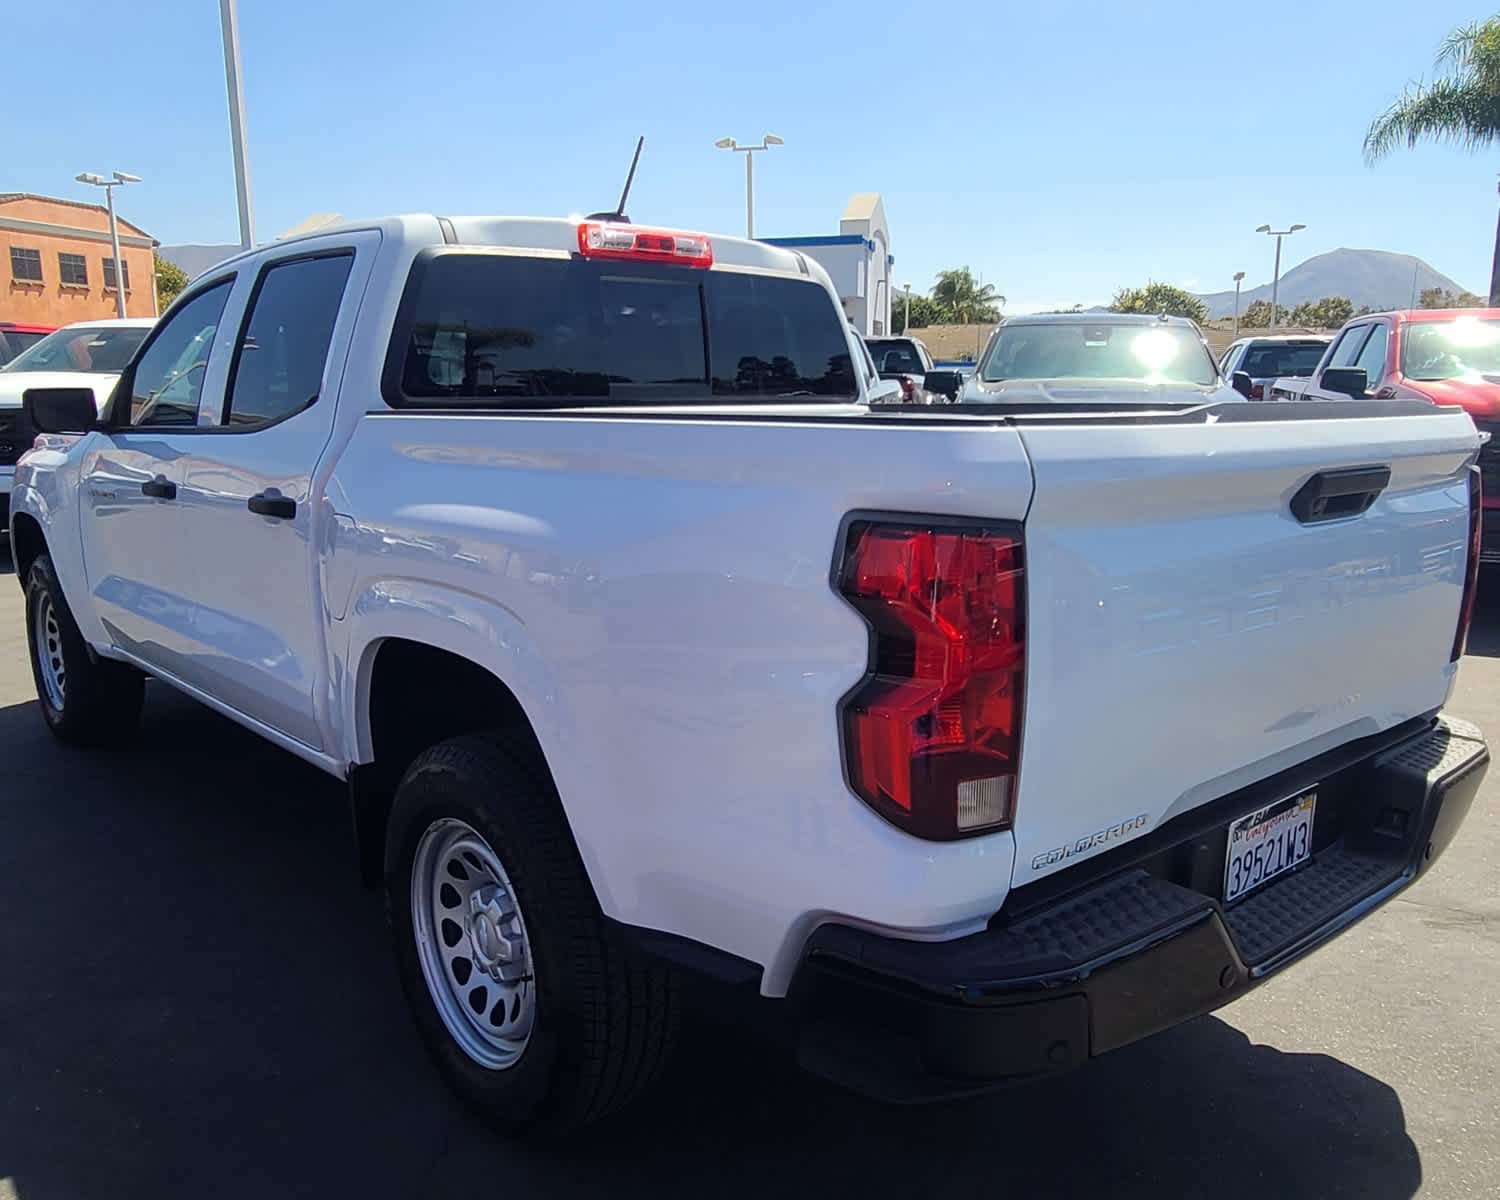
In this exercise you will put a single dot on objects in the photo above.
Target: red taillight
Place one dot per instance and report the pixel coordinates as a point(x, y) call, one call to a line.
point(1257, 391)
point(932, 736)
point(1471, 566)
point(600, 239)
point(908, 386)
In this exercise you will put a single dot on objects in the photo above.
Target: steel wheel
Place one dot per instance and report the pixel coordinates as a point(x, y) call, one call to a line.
point(49, 652)
point(472, 944)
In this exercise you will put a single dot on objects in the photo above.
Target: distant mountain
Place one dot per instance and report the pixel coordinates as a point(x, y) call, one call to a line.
point(194, 260)
point(1374, 277)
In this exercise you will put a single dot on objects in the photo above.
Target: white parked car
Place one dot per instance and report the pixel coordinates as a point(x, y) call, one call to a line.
point(88, 354)
point(984, 739)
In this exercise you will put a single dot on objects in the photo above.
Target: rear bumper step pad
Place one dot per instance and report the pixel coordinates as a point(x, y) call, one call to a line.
point(1124, 958)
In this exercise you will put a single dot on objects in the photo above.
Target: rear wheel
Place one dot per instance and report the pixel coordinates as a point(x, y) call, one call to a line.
point(85, 700)
point(531, 1012)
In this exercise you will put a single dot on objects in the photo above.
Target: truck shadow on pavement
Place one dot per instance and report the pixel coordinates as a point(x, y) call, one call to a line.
point(196, 999)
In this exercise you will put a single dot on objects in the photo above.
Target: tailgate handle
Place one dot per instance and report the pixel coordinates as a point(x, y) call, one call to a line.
point(1333, 495)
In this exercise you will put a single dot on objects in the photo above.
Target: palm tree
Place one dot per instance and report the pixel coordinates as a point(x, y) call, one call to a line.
point(964, 298)
point(1462, 105)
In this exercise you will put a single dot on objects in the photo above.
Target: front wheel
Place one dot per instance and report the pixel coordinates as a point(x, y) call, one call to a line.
point(531, 1012)
point(85, 700)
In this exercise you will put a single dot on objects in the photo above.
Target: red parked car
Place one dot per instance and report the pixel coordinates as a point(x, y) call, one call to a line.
point(15, 337)
point(1446, 355)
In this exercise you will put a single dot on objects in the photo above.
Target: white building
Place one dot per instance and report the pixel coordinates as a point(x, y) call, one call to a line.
point(858, 258)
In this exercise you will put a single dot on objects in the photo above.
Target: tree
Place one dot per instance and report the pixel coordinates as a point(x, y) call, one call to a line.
point(1157, 298)
point(964, 300)
point(1436, 297)
point(1328, 313)
point(170, 279)
point(924, 311)
point(1257, 315)
point(1462, 105)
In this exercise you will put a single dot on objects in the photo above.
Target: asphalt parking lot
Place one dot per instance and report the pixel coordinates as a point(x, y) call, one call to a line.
point(196, 1000)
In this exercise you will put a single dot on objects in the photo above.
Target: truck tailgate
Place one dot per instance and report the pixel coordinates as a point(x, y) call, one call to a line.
point(1188, 635)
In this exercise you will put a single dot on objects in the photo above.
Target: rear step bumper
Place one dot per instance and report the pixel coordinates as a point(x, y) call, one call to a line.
point(1123, 958)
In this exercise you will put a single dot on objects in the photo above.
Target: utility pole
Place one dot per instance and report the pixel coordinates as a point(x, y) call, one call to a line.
point(906, 324)
point(229, 19)
point(1238, 278)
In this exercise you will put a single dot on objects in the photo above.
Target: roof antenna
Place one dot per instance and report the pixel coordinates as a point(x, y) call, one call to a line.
point(619, 213)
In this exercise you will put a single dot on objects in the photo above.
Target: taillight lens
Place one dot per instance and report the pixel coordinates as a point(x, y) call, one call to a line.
point(932, 735)
point(603, 239)
point(908, 386)
point(1471, 567)
point(1257, 391)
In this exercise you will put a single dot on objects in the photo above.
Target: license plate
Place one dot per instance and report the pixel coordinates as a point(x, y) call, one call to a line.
point(1268, 842)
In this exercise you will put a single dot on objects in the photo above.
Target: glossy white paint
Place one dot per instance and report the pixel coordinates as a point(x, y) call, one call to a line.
point(654, 589)
point(1188, 636)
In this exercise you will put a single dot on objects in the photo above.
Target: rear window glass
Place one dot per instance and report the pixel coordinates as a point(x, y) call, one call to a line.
point(492, 330)
point(894, 355)
point(1262, 362)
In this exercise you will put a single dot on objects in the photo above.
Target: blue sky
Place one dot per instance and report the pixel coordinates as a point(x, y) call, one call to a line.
point(1060, 150)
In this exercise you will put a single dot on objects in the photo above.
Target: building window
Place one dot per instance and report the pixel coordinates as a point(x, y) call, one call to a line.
point(26, 264)
point(109, 273)
point(74, 269)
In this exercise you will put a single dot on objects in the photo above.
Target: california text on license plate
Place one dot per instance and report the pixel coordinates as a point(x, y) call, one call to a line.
point(1267, 842)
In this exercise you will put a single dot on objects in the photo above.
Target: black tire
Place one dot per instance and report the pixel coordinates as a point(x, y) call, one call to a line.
point(605, 1020)
point(102, 700)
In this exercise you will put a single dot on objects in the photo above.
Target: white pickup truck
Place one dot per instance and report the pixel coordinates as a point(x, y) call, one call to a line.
point(984, 739)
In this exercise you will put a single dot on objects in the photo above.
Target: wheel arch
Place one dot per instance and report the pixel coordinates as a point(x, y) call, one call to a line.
point(28, 543)
point(424, 667)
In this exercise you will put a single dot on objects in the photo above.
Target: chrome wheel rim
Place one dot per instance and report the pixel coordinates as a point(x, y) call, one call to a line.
point(472, 944)
point(49, 652)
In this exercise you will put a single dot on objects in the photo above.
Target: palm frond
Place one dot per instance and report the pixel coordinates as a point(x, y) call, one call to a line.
point(1471, 54)
point(1456, 49)
point(1464, 113)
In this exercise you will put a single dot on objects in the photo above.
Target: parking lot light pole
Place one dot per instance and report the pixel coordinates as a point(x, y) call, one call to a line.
point(109, 185)
point(230, 24)
point(1238, 278)
point(1278, 234)
point(728, 143)
point(906, 323)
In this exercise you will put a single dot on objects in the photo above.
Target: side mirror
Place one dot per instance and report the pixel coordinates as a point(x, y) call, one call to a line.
point(884, 391)
point(60, 410)
point(1348, 381)
point(943, 383)
point(1241, 382)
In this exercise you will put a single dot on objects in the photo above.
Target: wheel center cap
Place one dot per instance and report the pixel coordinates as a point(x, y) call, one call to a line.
point(490, 930)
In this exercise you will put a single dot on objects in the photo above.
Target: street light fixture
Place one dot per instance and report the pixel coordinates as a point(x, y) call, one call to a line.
point(728, 143)
point(1238, 279)
point(1278, 234)
point(117, 179)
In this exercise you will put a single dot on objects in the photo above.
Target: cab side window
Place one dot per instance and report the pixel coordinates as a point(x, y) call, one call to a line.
point(1372, 357)
point(283, 347)
point(167, 382)
point(1349, 344)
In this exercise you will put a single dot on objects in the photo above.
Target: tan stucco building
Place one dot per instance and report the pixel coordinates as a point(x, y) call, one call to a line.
point(56, 265)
